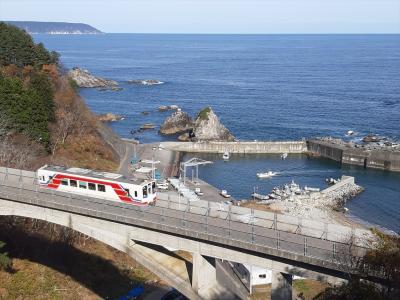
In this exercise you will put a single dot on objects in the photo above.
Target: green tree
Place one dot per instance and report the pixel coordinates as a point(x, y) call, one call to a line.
point(26, 108)
point(17, 47)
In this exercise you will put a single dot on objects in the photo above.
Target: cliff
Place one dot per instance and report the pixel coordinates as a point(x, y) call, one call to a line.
point(54, 27)
point(178, 122)
point(83, 78)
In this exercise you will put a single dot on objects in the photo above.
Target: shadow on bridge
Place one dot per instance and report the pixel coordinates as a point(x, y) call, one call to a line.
point(98, 274)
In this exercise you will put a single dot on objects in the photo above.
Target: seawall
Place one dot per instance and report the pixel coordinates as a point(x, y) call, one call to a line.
point(384, 159)
point(239, 147)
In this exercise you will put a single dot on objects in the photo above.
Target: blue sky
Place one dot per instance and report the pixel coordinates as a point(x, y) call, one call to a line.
point(214, 16)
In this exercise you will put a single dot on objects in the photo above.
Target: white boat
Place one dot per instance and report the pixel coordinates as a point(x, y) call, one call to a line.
point(350, 133)
point(225, 194)
point(266, 174)
point(284, 155)
point(226, 155)
point(260, 196)
point(311, 189)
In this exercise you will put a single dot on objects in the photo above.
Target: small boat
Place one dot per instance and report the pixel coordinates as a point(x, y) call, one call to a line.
point(259, 196)
point(225, 194)
point(266, 174)
point(198, 192)
point(311, 189)
point(226, 155)
point(350, 133)
point(284, 155)
point(331, 181)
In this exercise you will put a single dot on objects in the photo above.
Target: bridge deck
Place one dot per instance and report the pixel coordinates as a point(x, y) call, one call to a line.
point(257, 232)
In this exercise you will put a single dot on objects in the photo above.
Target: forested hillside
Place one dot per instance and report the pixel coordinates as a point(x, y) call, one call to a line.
point(42, 118)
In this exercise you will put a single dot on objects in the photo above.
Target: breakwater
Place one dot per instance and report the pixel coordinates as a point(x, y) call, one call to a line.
point(239, 147)
point(345, 153)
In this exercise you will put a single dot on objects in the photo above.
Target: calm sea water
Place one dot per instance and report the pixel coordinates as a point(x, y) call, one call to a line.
point(262, 87)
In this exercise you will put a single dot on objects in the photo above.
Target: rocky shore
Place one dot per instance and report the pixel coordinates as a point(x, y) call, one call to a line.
point(323, 205)
point(109, 117)
point(84, 79)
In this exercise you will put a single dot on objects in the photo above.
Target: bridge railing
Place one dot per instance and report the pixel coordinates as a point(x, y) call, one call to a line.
point(21, 186)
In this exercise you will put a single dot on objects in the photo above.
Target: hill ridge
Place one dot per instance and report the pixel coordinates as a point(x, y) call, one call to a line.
point(35, 27)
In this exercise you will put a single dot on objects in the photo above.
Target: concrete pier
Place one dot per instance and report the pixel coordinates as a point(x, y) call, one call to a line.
point(281, 288)
point(384, 159)
point(239, 147)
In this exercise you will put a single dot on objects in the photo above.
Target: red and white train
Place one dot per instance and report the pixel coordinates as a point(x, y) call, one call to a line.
point(110, 186)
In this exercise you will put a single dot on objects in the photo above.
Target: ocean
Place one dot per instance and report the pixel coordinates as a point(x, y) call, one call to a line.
point(264, 87)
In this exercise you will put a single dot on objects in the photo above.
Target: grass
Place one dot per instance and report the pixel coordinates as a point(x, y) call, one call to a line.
point(44, 269)
point(309, 288)
point(203, 114)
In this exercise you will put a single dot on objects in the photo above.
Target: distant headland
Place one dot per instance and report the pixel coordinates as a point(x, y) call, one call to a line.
point(55, 27)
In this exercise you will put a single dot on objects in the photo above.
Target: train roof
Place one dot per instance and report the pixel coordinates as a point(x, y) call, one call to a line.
point(94, 174)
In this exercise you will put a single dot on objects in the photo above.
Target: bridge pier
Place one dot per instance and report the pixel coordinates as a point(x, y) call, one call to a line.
point(204, 274)
point(281, 288)
point(204, 278)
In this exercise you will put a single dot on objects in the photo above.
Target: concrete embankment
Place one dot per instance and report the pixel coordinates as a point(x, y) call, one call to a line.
point(384, 159)
point(239, 147)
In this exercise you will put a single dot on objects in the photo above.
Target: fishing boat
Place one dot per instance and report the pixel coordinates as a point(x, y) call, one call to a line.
point(284, 155)
point(259, 196)
point(311, 189)
point(225, 194)
point(266, 174)
point(226, 155)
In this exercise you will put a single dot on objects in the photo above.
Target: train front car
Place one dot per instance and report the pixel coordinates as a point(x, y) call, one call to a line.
point(104, 185)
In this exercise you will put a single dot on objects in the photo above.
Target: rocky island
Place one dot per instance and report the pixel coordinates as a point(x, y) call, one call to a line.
point(84, 79)
point(206, 127)
point(178, 122)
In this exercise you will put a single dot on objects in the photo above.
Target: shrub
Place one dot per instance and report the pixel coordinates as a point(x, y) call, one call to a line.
point(5, 261)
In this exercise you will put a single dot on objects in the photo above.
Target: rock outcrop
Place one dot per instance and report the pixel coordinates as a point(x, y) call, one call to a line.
point(109, 117)
point(208, 127)
point(178, 122)
point(146, 81)
point(163, 108)
point(83, 78)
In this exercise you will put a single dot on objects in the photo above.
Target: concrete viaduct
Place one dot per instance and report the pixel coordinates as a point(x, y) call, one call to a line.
point(145, 233)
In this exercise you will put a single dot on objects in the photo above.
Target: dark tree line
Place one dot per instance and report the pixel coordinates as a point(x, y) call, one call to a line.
point(18, 48)
point(26, 88)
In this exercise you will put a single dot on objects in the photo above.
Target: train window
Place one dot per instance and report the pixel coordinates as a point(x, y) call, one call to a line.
point(82, 185)
point(92, 186)
point(64, 181)
point(145, 192)
point(73, 183)
point(135, 193)
point(153, 185)
point(101, 188)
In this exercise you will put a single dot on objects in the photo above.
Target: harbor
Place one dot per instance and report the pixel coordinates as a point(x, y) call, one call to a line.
point(315, 202)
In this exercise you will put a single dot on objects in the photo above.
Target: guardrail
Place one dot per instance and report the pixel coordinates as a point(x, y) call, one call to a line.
point(222, 227)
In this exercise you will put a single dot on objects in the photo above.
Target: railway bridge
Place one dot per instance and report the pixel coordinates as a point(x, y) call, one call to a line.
point(211, 232)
